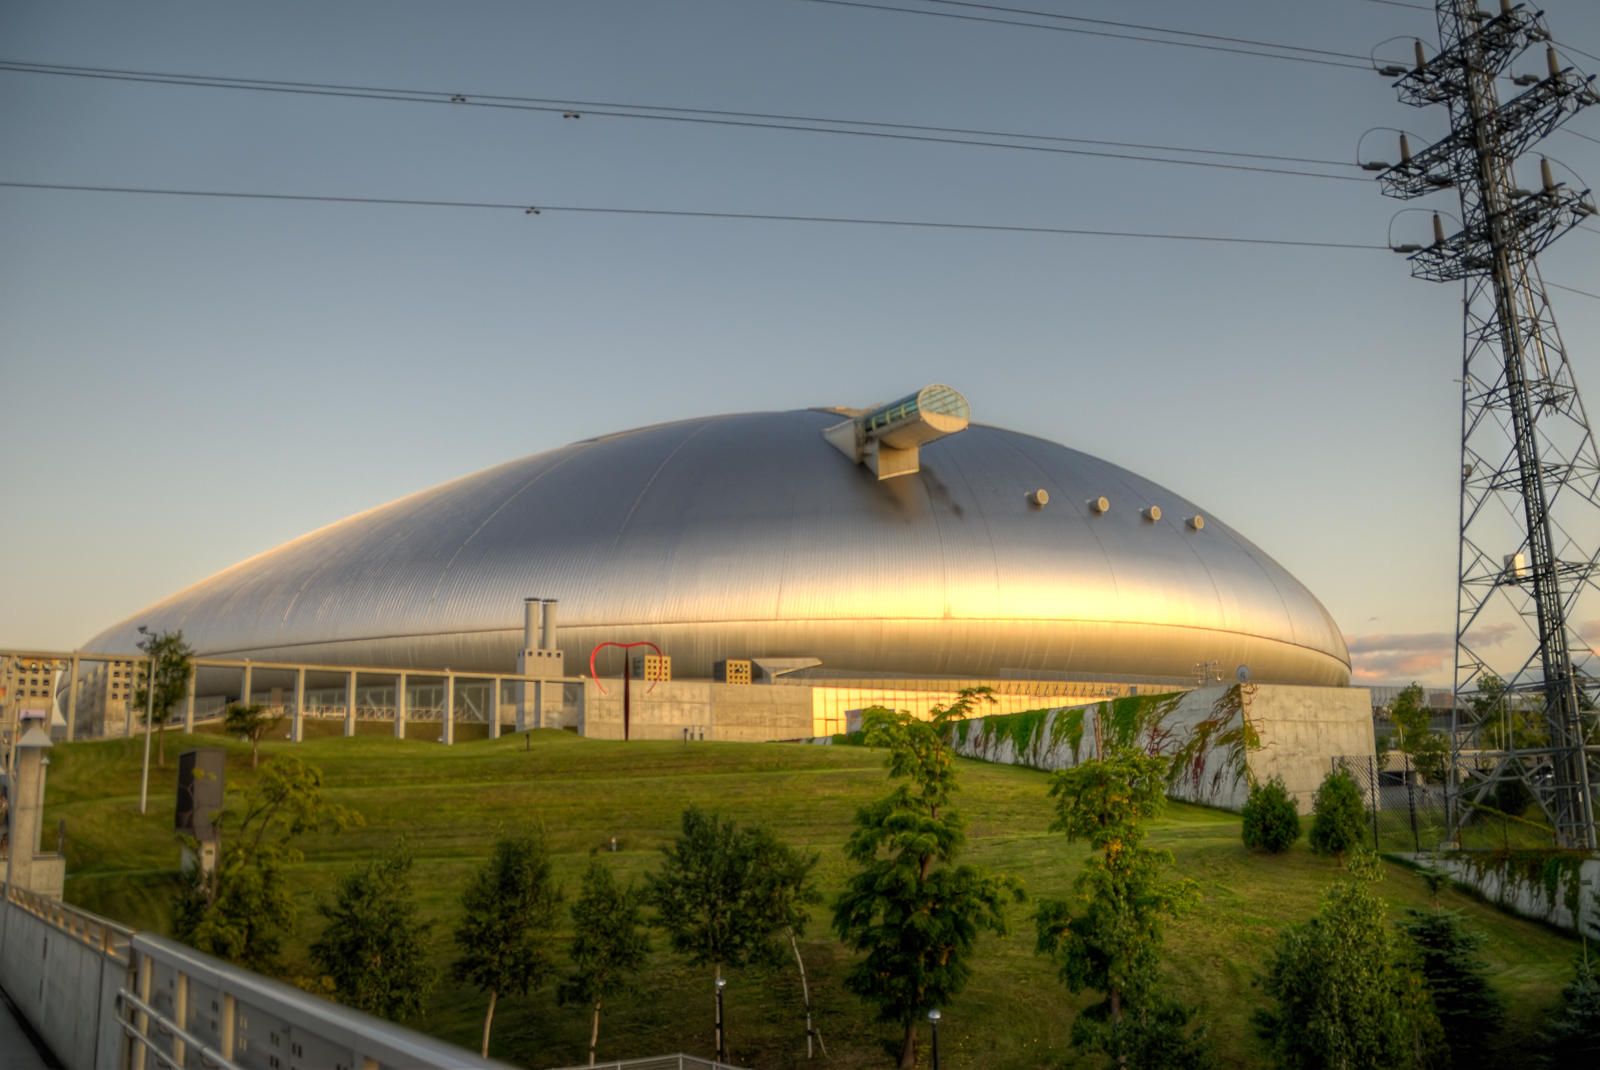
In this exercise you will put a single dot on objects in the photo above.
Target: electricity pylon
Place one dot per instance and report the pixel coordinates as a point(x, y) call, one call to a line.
point(1530, 473)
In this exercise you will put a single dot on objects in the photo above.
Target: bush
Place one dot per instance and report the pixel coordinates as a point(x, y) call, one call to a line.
point(1511, 796)
point(1342, 993)
point(1271, 818)
point(1469, 1010)
point(1339, 817)
point(1572, 1035)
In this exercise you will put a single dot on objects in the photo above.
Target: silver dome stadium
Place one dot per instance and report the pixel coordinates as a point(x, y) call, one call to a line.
point(754, 535)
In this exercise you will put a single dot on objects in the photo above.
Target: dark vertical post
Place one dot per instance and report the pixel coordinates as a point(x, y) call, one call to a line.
point(1372, 791)
point(1411, 804)
point(933, 1021)
point(627, 677)
point(722, 1046)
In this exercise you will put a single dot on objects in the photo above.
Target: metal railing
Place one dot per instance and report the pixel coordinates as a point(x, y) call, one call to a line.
point(660, 1062)
point(107, 937)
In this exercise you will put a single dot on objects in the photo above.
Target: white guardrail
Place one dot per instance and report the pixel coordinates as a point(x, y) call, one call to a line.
point(105, 998)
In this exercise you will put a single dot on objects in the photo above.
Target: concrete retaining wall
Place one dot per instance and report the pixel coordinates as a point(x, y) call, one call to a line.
point(1553, 887)
point(1222, 738)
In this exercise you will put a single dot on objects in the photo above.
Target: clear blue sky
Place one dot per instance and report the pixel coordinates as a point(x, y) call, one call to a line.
point(188, 382)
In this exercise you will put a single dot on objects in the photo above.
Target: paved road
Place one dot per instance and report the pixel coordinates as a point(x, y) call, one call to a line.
point(16, 1050)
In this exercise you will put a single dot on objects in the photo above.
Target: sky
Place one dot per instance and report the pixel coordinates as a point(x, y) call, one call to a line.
point(189, 381)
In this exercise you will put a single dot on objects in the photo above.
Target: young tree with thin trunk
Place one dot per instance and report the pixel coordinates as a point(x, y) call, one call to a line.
point(1107, 937)
point(706, 895)
point(911, 909)
point(608, 945)
point(242, 910)
point(165, 682)
point(505, 936)
point(787, 887)
point(252, 722)
point(373, 947)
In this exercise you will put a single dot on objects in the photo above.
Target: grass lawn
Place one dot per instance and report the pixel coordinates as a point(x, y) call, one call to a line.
point(450, 803)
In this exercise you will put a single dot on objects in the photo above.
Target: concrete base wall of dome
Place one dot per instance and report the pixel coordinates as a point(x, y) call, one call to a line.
point(947, 647)
point(1221, 739)
point(697, 710)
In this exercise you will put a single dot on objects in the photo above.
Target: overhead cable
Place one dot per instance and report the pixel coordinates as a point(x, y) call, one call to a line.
point(705, 116)
point(1572, 290)
point(1289, 52)
point(774, 217)
point(1034, 13)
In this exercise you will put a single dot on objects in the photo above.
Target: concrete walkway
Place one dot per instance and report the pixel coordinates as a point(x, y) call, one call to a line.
point(16, 1048)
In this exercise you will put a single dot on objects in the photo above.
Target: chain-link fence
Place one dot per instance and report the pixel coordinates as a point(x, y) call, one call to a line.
point(1405, 812)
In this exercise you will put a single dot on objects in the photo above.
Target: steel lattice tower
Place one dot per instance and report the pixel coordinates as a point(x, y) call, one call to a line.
point(1530, 472)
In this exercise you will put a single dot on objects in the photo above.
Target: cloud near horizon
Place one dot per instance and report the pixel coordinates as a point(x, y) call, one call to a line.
point(1401, 658)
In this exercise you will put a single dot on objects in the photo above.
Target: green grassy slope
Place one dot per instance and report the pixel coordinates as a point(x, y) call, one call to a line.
point(451, 802)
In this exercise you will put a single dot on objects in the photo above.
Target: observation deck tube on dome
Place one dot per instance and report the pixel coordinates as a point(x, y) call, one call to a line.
point(887, 438)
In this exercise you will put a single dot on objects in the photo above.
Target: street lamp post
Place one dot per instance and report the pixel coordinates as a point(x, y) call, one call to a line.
point(722, 1045)
point(933, 1021)
point(149, 716)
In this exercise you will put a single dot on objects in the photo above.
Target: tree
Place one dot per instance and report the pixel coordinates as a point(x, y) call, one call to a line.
point(707, 895)
point(913, 911)
point(252, 722)
point(608, 945)
point(1271, 818)
point(1572, 1036)
point(241, 909)
point(1107, 936)
point(1428, 750)
point(786, 887)
point(373, 947)
point(165, 682)
point(1469, 1010)
point(1338, 821)
point(505, 933)
point(1343, 996)
point(1509, 724)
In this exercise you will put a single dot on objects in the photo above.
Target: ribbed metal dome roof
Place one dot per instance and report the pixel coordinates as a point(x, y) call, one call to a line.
point(749, 535)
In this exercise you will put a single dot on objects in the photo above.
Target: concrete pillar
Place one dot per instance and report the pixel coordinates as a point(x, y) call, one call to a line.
point(136, 670)
point(449, 716)
point(531, 612)
point(297, 728)
point(244, 688)
point(538, 704)
point(72, 700)
point(400, 707)
point(350, 704)
point(547, 626)
point(494, 707)
point(180, 1017)
point(26, 810)
point(146, 977)
point(188, 701)
point(227, 1026)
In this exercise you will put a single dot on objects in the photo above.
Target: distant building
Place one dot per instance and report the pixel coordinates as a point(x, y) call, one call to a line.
point(105, 690)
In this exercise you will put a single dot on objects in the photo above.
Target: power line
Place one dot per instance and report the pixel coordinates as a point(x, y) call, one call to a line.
point(1572, 290)
point(1364, 65)
point(1030, 13)
point(707, 116)
point(1585, 137)
point(774, 217)
point(1402, 3)
point(1579, 51)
